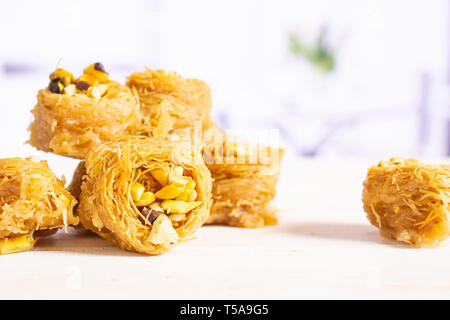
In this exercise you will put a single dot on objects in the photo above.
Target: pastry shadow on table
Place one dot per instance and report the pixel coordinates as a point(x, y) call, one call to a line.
point(342, 231)
point(80, 241)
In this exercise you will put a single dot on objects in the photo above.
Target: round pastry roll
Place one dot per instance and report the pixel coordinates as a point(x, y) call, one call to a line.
point(409, 201)
point(32, 200)
point(144, 194)
point(169, 101)
point(245, 177)
point(72, 115)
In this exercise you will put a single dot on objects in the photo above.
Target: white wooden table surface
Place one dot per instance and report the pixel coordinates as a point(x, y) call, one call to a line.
point(323, 247)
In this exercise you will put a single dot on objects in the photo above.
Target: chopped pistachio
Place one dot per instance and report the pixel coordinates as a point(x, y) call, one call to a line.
point(179, 181)
point(70, 90)
point(99, 75)
point(160, 175)
point(146, 199)
point(102, 89)
point(17, 243)
point(177, 217)
point(178, 171)
point(162, 232)
point(137, 190)
point(64, 76)
point(192, 196)
point(176, 206)
point(95, 92)
point(188, 191)
point(156, 207)
point(171, 191)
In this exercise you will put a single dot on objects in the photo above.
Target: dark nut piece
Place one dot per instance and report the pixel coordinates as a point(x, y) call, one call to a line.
point(99, 67)
point(83, 85)
point(64, 76)
point(56, 86)
point(151, 217)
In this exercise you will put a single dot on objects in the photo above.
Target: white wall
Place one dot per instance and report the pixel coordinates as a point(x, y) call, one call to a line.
point(366, 106)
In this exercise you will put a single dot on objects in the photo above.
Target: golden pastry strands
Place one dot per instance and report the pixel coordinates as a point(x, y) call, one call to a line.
point(155, 90)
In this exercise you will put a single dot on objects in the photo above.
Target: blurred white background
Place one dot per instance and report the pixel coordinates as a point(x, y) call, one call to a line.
point(336, 78)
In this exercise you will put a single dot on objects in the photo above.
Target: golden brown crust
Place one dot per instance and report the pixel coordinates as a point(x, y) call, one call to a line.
point(72, 124)
point(75, 185)
point(105, 204)
point(168, 98)
point(32, 198)
point(409, 201)
point(244, 201)
point(245, 178)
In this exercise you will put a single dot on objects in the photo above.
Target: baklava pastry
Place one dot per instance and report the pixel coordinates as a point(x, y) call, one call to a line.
point(77, 179)
point(245, 177)
point(170, 101)
point(144, 194)
point(72, 115)
point(32, 201)
point(409, 201)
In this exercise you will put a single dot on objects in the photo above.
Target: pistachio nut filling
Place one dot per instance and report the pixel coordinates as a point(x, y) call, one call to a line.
point(164, 197)
point(14, 244)
point(94, 82)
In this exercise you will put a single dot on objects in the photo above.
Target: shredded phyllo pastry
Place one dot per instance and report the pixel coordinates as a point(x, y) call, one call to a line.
point(32, 199)
point(169, 101)
point(409, 201)
point(77, 178)
point(245, 177)
point(144, 194)
point(74, 114)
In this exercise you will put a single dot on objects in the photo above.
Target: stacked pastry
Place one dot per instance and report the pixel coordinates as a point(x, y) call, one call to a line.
point(74, 114)
point(242, 188)
point(170, 102)
point(144, 184)
point(245, 177)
